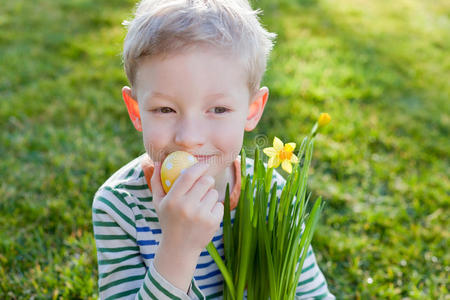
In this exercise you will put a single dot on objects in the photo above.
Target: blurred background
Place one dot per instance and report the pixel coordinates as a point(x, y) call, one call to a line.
point(381, 69)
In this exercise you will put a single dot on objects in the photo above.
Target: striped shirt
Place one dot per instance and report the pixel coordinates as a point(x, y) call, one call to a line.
point(127, 234)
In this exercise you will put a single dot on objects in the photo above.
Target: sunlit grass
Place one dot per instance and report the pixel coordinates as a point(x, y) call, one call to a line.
point(379, 68)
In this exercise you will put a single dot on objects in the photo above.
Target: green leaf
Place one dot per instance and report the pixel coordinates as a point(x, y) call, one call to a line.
point(227, 233)
point(223, 269)
point(268, 180)
point(243, 168)
point(273, 206)
point(244, 238)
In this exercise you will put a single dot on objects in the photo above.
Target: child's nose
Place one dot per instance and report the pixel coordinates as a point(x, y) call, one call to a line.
point(190, 134)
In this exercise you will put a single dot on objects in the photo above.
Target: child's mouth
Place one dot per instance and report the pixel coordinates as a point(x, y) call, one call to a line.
point(203, 157)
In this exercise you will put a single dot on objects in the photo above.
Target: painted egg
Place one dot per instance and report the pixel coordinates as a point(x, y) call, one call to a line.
point(173, 166)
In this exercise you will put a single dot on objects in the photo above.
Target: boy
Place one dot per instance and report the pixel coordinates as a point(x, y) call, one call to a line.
point(194, 69)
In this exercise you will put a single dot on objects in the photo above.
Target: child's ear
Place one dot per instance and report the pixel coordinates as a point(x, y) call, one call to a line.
point(132, 107)
point(256, 108)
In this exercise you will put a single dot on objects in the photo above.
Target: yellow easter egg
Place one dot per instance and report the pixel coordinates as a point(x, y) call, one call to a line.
point(172, 167)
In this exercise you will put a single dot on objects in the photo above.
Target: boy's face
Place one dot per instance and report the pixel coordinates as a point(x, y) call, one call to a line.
point(197, 101)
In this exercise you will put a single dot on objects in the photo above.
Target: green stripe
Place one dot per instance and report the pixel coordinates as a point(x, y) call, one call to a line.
point(212, 296)
point(308, 280)
point(99, 211)
point(140, 206)
point(130, 248)
point(140, 297)
point(148, 219)
point(132, 187)
point(308, 268)
point(149, 292)
point(145, 199)
point(117, 260)
point(106, 224)
point(122, 294)
point(128, 267)
point(141, 174)
point(197, 291)
point(319, 297)
point(120, 281)
point(109, 237)
point(163, 290)
point(117, 211)
point(129, 173)
point(311, 291)
point(120, 196)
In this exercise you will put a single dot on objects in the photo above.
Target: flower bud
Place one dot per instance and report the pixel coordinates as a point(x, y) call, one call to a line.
point(324, 119)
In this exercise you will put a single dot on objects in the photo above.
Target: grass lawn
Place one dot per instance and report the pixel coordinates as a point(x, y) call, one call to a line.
point(380, 68)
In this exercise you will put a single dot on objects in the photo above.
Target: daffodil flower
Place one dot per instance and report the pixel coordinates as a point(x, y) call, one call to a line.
point(281, 153)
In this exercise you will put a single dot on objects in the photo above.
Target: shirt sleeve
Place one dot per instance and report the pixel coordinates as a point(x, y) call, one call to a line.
point(312, 284)
point(122, 271)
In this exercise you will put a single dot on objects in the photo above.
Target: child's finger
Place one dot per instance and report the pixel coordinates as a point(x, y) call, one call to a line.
point(209, 200)
point(217, 211)
point(187, 179)
point(200, 188)
point(157, 189)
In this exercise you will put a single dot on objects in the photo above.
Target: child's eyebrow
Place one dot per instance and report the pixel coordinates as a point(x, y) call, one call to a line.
point(160, 95)
point(217, 96)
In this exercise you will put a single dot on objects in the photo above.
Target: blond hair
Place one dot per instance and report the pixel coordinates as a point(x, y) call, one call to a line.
point(165, 27)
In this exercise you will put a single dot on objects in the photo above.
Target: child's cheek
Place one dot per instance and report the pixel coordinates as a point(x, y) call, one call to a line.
point(156, 144)
point(231, 137)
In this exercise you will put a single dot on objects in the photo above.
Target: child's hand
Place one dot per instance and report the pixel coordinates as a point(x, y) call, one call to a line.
point(190, 213)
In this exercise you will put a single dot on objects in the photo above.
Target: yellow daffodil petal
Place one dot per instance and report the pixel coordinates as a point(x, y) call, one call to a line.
point(271, 161)
point(289, 147)
point(270, 151)
point(294, 159)
point(277, 144)
point(274, 162)
point(286, 165)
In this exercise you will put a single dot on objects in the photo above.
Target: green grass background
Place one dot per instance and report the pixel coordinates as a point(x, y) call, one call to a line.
point(380, 68)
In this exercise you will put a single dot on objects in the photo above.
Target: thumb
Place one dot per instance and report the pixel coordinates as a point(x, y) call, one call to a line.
point(157, 189)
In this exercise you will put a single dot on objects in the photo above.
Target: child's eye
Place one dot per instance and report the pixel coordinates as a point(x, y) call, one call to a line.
point(164, 110)
point(220, 110)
